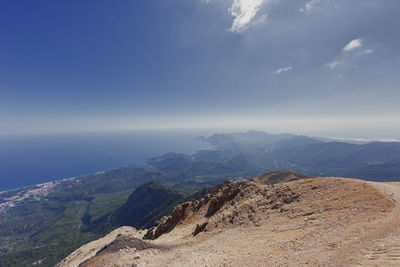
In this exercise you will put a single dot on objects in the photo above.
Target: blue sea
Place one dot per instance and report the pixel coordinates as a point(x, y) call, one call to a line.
point(32, 159)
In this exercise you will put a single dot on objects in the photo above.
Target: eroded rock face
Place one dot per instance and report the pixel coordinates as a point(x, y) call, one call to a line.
point(226, 194)
point(167, 223)
point(228, 204)
point(122, 242)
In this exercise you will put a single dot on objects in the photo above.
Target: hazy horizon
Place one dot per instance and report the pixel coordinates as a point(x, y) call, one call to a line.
point(198, 132)
point(48, 157)
point(315, 67)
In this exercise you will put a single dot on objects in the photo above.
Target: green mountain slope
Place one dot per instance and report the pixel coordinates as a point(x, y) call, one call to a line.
point(47, 226)
point(147, 204)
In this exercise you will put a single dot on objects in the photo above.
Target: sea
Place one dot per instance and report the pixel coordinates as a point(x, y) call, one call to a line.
point(32, 159)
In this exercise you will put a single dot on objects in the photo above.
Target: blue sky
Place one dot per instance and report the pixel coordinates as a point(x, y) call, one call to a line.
point(329, 67)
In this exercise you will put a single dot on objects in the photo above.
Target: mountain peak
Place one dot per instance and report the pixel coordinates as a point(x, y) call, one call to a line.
point(259, 224)
point(279, 177)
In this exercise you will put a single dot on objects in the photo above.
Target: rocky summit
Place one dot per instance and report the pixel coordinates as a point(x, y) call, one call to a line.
point(310, 221)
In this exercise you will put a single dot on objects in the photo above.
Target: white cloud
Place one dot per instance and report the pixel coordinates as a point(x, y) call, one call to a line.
point(284, 69)
point(357, 43)
point(244, 12)
point(309, 5)
point(368, 51)
point(333, 65)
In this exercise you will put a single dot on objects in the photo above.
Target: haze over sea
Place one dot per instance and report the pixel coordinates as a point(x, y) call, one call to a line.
point(32, 159)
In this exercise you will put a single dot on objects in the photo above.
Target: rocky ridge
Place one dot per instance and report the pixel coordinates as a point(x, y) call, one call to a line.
point(304, 222)
point(238, 210)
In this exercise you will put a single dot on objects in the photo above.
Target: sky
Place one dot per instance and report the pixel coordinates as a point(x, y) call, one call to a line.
point(328, 67)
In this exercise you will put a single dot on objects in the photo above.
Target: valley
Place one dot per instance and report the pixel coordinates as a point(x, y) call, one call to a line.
point(34, 220)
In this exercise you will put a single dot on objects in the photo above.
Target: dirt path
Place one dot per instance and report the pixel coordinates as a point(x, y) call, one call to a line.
point(386, 250)
point(379, 244)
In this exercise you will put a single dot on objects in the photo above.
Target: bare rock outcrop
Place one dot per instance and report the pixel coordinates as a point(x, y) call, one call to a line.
point(244, 202)
point(167, 223)
point(307, 222)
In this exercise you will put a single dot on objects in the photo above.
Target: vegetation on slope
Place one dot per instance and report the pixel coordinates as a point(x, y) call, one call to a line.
point(50, 227)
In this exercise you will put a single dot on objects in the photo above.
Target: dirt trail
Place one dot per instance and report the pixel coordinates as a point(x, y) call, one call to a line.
point(382, 245)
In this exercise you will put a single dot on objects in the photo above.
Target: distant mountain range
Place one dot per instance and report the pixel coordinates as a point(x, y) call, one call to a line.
point(34, 220)
point(314, 156)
